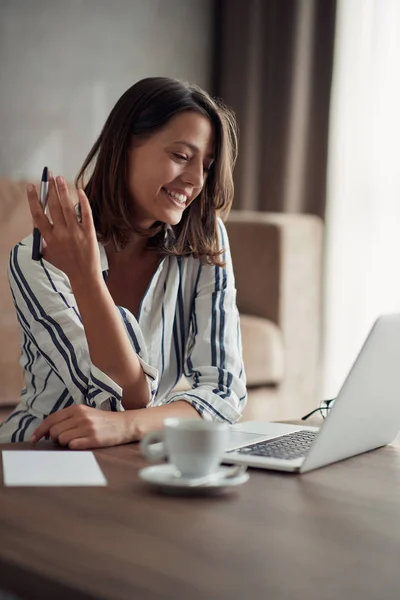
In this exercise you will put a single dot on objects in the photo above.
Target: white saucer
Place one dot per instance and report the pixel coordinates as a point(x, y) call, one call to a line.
point(164, 478)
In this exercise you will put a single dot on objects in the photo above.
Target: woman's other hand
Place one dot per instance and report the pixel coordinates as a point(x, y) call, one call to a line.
point(81, 427)
point(69, 245)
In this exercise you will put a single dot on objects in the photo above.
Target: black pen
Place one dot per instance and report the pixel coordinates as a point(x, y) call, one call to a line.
point(37, 244)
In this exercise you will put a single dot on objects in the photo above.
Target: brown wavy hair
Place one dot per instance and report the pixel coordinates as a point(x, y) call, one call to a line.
point(141, 111)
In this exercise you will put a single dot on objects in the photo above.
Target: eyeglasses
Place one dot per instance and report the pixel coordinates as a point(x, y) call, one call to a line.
point(323, 410)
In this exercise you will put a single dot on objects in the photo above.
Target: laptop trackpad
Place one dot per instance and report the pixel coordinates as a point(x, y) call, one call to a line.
point(241, 438)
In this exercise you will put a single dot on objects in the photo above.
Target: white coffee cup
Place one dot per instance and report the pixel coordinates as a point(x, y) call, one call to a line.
point(195, 447)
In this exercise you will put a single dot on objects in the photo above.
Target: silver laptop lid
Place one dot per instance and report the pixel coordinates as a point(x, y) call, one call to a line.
point(366, 413)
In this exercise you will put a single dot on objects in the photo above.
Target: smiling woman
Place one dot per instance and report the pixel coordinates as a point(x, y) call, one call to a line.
point(141, 289)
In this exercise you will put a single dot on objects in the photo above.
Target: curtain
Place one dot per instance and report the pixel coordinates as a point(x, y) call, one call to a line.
point(363, 204)
point(273, 66)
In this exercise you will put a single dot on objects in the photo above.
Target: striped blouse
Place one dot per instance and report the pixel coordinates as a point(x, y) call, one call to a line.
point(188, 324)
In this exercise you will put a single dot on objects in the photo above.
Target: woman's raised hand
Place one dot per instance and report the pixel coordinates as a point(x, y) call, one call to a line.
point(69, 245)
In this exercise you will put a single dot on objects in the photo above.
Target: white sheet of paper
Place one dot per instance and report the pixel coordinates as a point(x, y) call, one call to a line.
point(51, 468)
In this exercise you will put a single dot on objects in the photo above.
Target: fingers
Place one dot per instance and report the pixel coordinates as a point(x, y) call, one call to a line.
point(82, 443)
point(62, 431)
point(86, 211)
point(66, 203)
point(52, 421)
point(80, 437)
point(67, 424)
point(66, 438)
point(39, 218)
point(54, 204)
point(72, 431)
point(61, 207)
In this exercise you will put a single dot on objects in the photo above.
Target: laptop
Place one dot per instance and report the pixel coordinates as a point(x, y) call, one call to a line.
point(364, 416)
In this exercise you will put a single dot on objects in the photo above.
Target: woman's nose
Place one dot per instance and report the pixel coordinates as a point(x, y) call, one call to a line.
point(194, 174)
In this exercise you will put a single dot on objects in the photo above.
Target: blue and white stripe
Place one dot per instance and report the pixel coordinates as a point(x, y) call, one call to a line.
point(188, 324)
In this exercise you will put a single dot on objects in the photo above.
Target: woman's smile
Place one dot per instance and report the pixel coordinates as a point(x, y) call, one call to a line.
point(179, 200)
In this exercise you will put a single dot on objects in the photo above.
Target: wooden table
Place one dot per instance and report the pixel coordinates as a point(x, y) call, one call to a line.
point(327, 535)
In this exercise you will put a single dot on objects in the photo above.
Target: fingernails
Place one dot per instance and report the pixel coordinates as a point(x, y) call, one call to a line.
point(60, 180)
point(30, 188)
point(33, 439)
point(50, 174)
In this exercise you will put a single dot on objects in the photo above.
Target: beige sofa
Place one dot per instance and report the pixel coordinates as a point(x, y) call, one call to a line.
point(278, 266)
point(277, 260)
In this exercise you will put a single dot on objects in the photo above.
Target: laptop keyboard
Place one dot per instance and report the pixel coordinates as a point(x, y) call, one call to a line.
point(289, 446)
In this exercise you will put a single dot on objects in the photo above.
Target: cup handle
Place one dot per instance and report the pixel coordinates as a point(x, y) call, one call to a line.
point(152, 446)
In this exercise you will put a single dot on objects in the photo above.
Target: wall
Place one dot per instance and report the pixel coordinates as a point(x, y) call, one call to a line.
point(64, 63)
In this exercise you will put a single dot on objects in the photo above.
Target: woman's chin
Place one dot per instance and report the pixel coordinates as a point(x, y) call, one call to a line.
point(172, 217)
point(168, 218)
point(173, 221)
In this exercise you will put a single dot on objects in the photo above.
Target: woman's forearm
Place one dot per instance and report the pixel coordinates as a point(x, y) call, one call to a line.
point(140, 422)
point(109, 347)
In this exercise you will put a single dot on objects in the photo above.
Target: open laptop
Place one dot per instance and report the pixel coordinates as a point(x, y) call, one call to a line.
point(364, 416)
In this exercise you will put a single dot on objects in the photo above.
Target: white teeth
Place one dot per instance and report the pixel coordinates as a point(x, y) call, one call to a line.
point(180, 197)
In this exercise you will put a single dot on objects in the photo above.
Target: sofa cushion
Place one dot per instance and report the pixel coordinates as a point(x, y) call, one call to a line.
point(263, 351)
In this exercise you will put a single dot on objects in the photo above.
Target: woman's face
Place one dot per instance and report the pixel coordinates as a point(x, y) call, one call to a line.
point(168, 171)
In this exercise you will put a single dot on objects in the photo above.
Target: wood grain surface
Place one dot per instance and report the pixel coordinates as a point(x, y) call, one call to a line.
point(329, 534)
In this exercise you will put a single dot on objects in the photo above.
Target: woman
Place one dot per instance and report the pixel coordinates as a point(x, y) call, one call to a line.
point(140, 289)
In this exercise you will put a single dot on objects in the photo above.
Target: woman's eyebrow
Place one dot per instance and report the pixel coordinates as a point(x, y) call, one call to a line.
point(193, 148)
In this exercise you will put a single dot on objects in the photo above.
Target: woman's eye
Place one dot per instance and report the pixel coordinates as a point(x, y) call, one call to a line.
point(180, 156)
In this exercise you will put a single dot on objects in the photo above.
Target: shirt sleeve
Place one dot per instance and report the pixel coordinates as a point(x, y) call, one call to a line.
point(213, 361)
point(47, 312)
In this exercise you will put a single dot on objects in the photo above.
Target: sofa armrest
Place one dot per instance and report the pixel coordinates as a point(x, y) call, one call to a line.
point(277, 260)
point(15, 224)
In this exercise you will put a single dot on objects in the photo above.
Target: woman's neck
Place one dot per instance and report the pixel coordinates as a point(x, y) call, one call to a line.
point(135, 249)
